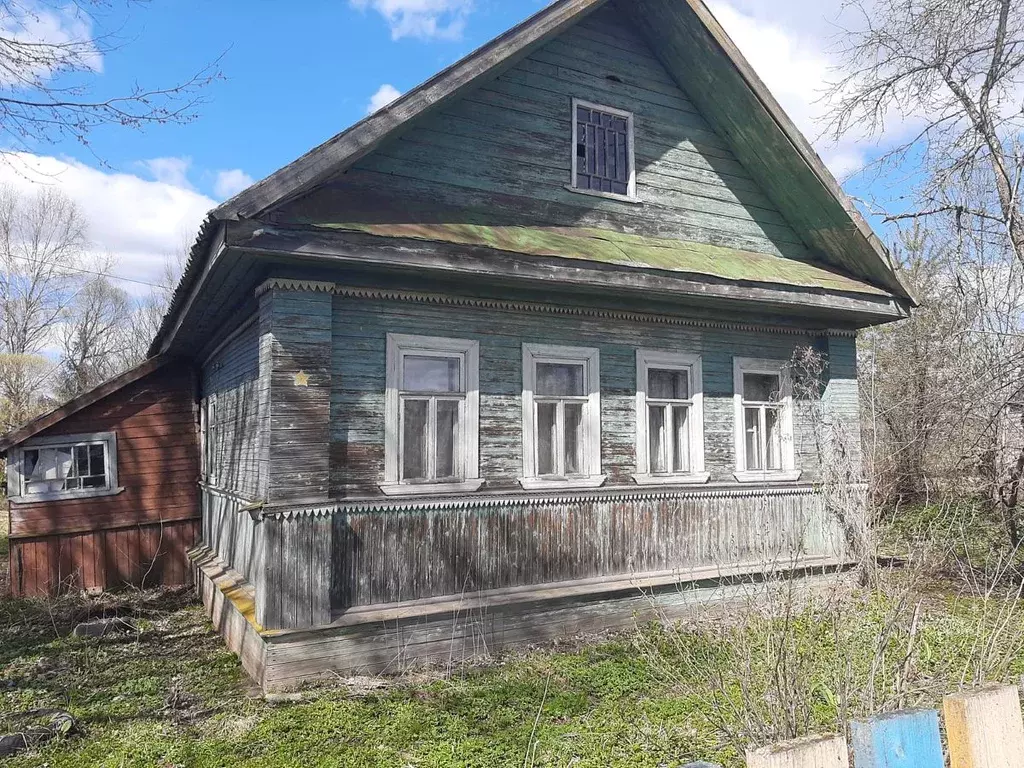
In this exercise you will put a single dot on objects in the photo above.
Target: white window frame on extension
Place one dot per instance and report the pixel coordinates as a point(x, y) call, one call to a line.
point(689, 364)
point(631, 195)
point(466, 441)
point(787, 472)
point(16, 480)
point(589, 436)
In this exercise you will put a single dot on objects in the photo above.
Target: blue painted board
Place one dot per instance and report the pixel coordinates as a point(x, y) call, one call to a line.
point(908, 739)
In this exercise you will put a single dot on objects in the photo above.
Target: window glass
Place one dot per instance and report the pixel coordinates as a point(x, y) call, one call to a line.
point(414, 439)
point(431, 374)
point(752, 430)
point(760, 387)
point(573, 438)
point(667, 385)
point(63, 468)
point(447, 438)
point(773, 434)
point(658, 442)
point(681, 439)
point(560, 379)
point(547, 423)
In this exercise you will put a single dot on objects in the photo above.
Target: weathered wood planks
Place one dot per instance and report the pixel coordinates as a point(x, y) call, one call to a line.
point(413, 553)
point(984, 728)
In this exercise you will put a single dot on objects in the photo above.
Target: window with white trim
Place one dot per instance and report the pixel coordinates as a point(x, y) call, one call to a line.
point(603, 161)
point(670, 418)
point(763, 421)
point(432, 415)
point(64, 467)
point(561, 417)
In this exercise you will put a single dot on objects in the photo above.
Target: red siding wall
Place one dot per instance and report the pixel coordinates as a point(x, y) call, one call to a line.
point(136, 537)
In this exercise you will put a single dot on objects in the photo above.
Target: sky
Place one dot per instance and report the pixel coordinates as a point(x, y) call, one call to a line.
point(295, 74)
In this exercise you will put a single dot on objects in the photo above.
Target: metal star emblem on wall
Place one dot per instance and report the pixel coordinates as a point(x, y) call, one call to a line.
point(301, 379)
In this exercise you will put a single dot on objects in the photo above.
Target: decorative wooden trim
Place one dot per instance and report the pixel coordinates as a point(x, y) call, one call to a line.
point(441, 299)
point(224, 493)
point(492, 499)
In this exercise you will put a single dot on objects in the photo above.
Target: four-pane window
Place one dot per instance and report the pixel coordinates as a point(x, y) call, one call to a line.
point(603, 154)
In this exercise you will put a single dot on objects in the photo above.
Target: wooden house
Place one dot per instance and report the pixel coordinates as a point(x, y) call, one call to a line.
point(509, 359)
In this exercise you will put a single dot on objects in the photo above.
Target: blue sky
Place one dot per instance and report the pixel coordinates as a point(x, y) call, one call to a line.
point(297, 73)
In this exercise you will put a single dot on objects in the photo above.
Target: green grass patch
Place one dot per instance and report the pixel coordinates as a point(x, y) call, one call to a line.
point(170, 694)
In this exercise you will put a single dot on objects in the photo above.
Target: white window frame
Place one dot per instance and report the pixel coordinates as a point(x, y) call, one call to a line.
point(15, 474)
point(590, 358)
point(647, 359)
point(631, 196)
point(468, 446)
point(780, 368)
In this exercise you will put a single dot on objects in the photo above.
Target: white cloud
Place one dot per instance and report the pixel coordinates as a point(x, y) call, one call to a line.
point(230, 183)
point(170, 170)
point(386, 94)
point(425, 19)
point(140, 222)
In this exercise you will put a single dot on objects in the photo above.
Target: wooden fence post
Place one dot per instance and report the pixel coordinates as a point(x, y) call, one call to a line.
point(814, 752)
point(908, 739)
point(984, 728)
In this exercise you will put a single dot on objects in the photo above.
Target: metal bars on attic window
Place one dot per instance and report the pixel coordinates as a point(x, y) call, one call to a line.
point(603, 152)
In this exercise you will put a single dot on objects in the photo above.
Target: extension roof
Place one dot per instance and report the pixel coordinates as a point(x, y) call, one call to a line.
point(705, 63)
point(94, 395)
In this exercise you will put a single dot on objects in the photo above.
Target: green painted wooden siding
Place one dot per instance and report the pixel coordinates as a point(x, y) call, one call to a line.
point(501, 156)
point(359, 334)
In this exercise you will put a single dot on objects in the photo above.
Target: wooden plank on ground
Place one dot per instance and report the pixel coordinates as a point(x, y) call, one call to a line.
point(813, 752)
point(984, 728)
point(908, 739)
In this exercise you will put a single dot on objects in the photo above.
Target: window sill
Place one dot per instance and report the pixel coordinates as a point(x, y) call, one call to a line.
point(605, 195)
point(694, 478)
point(561, 483)
point(66, 495)
point(783, 476)
point(430, 489)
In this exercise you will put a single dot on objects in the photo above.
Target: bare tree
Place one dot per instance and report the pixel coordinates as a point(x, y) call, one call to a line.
point(954, 71)
point(94, 336)
point(42, 243)
point(49, 53)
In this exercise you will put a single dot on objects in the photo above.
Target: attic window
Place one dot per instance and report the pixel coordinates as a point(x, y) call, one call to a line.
point(603, 156)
